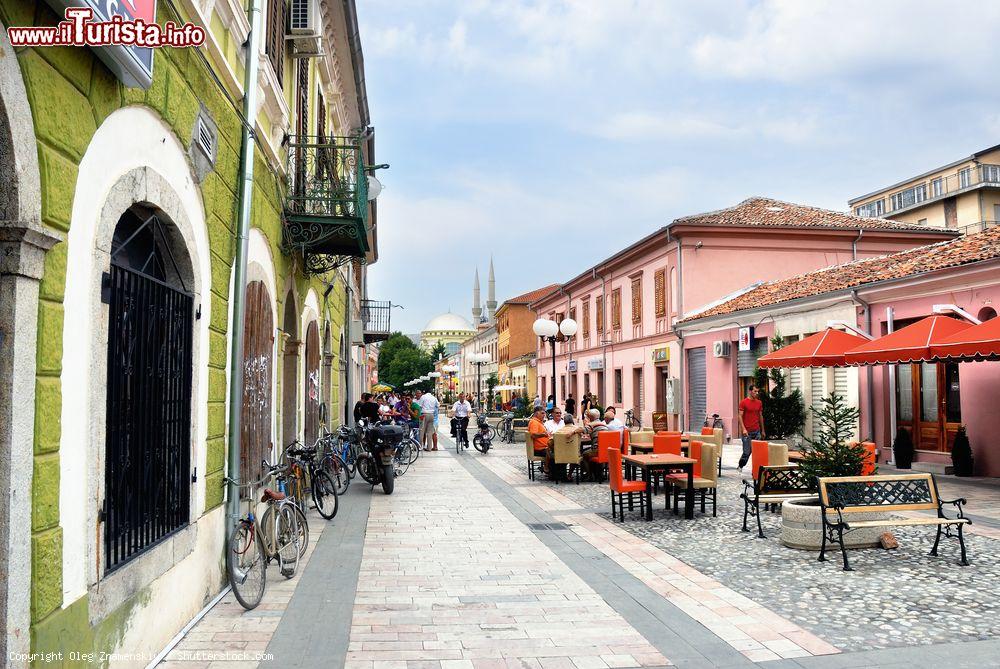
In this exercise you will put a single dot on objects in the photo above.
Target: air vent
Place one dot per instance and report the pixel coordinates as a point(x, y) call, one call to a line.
point(205, 138)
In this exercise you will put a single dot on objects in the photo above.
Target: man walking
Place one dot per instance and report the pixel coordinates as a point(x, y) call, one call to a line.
point(462, 409)
point(751, 423)
point(428, 410)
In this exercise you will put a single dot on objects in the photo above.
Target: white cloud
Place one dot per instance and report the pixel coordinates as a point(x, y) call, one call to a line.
point(744, 125)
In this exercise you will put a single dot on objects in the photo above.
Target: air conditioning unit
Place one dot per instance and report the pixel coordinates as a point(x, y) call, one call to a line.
point(721, 349)
point(304, 29)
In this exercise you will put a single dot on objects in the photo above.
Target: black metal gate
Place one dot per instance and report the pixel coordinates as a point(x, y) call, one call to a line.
point(148, 441)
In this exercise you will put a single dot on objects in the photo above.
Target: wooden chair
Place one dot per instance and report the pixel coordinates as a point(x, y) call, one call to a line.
point(566, 451)
point(533, 458)
point(707, 456)
point(620, 487)
point(777, 454)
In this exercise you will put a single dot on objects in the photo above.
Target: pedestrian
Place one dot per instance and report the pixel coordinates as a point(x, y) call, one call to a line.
point(585, 406)
point(366, 409)
point(462, 409)
point(536, 403)
point(570, 405)
point(428, 412)
point(751, 424)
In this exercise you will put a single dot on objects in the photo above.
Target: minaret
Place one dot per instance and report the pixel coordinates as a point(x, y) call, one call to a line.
point(477, 311)
point(491, 295)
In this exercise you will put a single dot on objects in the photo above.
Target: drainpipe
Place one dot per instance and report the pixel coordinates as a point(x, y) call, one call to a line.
point(680, 335)
point(854, 244)
point(240, 270)
point(868, 368)
point(349, 418)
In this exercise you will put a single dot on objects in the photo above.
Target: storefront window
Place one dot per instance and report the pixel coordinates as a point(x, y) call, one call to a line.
point(904, 392)
point(928, 392)
point(953, 403)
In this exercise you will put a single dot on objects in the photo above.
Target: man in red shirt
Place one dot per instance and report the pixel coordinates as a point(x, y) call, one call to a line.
point(751, 423)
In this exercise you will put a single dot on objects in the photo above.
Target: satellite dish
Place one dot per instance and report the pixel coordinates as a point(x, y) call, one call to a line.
point(374, 187)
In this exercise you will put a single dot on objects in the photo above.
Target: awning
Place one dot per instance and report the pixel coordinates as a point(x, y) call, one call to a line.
point(978, 342)
point(910, 344)
point(823, 349)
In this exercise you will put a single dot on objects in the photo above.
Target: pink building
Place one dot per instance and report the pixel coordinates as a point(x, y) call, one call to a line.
point(929, 400)
point(625, 349)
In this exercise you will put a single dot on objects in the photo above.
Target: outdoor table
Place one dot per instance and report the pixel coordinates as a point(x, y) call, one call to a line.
point(665, 462)
point(648, 448)
point(796, 456)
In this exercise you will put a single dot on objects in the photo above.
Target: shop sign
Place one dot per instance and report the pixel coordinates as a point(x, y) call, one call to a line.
point(746, 339)
point(660, 423)
point(595, 363)
point(572, 365)
point(133, 65)
point(661, 355)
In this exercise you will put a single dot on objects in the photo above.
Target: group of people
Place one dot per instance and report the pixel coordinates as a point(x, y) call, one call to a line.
point(419, 410)
point(543, 427)
point(569, 407)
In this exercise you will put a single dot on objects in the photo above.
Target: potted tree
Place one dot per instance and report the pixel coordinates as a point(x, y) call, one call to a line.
point(902, 449)
point(784, 412)
point(961, 454)
point(830, 454)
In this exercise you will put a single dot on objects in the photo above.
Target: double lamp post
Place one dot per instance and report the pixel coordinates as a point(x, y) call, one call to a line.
point(479, 359)
point(548, 330)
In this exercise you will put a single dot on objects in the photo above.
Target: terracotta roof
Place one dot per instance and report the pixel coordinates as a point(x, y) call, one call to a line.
point(533, 295)
point(767, 212)
point(952, 253)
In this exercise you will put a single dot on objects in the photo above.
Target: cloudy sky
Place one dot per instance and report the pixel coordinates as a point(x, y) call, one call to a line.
point(551, 134)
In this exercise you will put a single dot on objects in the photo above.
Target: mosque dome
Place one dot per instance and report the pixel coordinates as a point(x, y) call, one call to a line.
point(449, 322)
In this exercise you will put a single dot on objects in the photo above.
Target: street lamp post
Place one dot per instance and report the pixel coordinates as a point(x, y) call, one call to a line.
point(548, 330)
point(479, 359)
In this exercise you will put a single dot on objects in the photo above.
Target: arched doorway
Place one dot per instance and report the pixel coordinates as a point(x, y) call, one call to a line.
point(148, 420)
point(312, 395)
point(258, 364)
point(289, 374)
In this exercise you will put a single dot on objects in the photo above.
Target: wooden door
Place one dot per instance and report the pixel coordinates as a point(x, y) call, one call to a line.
point(258, 361)
point(312, 399)
point(928, 404)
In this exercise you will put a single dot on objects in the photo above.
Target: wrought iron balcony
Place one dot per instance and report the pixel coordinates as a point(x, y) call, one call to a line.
point(375, 320)
point(326, 210)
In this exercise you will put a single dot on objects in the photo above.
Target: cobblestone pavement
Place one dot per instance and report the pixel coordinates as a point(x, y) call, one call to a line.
point(893, 598)
point(469, 565)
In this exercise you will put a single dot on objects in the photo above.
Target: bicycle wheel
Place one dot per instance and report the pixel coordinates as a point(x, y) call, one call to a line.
point(338, 472)
point(324, 494)
point(246, 565)
point(301, 528)
point(492, 433)
point(480, 443)
point(350, 456)
point(368, 469)
point(286, 538)
point(414, 450)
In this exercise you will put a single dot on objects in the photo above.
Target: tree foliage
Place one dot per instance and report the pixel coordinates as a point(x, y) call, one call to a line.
point(831, 454)
point(784, 415)
point(400, 360)
point(438, 352)
point(492, 381)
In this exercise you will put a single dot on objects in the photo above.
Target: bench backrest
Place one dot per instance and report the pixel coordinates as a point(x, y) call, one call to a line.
point(892, 492)
point(783, 480)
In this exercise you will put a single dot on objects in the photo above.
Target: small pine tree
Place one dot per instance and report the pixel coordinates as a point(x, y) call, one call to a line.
point(784, 415)
point(831, 454)
point(902, 448)
point(961, 454)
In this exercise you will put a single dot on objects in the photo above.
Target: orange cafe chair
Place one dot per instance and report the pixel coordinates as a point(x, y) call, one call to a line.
point(626, 443)
point(694, 451)
point(707, 431)
point(665, 443)
point(758, 456)
point(680, 479)
point(605, 441)
point(621, 487)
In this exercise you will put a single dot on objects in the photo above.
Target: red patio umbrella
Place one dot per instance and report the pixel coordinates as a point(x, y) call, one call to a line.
point(979, 342)
point(823, 349)
point(910, 344)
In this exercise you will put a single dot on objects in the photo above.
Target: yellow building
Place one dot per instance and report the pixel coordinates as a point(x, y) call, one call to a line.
point(963, 195)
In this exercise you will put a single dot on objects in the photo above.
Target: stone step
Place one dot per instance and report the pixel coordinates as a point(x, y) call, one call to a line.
point(933, 467)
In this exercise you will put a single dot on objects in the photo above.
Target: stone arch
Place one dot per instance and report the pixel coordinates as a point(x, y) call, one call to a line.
point(23, 244)
point(152, 171)
point(289, 371)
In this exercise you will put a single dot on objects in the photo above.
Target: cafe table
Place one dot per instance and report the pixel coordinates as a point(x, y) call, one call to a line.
point(796, 456)
point(665, 462)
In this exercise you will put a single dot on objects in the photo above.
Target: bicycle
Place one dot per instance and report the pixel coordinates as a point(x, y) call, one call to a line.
point(716, 421)
point(632, 421)
point(250, 549)
point(506, 431)
point(321, 486)
point(333, 463)
point(461, 435)
point(293, 485)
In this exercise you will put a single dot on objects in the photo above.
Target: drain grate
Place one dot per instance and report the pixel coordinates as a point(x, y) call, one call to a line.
point(539, 527)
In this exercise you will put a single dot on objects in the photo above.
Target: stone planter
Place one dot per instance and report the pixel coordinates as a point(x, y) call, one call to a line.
point(802, 527)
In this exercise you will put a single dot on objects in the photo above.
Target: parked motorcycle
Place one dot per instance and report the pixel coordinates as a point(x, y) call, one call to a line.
point(375, 461)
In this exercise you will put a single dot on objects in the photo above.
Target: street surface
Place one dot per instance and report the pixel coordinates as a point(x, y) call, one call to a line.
point(469, 565)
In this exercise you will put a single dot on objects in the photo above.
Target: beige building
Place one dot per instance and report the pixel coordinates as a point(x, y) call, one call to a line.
point(448, 329)
point(963, 195)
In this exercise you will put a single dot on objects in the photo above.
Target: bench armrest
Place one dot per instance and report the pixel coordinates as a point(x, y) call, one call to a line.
point(748, 490)
point(957, 503)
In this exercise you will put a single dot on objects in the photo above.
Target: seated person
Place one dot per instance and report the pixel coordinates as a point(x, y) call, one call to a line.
point(611, 420)
point(556, 422)
point(537, 433)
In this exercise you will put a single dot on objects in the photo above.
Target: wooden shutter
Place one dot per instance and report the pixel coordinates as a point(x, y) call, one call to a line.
point(258, 362)
point(660, 292)
point(616, 309)
point(586, 318)
point(599, 306)
point(275, 44)
point(636, 300)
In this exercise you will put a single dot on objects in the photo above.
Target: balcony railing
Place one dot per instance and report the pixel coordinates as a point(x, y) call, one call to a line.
point(326, 210)
point(981, 226)
point(931, 189)
point(375, 320)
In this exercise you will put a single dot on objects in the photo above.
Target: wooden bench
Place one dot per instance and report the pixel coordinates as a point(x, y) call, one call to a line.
point(842, 496)
point(774, 484)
